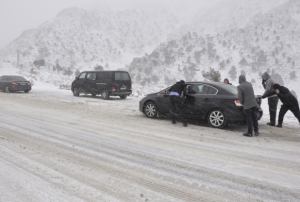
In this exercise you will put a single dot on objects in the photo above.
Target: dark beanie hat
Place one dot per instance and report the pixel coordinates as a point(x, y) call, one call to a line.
point(182, 82)
point(276, 86)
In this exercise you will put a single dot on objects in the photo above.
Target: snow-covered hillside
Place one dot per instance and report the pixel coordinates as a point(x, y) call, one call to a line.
point(160, 45)
point(229, 14)
point(268, 42)
point(78, 38)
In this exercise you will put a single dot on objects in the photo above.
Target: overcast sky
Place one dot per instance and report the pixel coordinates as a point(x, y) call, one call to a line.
point(19, 15)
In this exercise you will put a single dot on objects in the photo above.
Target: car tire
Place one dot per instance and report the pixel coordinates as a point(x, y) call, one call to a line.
point(104, 95)
point(26, 91)
point(76, 92)
point(7, 89)
point(94, 95)
point(216, 119)
point(123, 96)
point(150, 109)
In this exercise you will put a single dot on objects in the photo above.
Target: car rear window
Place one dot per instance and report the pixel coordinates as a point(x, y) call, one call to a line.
point(122, 76)
point(232, 89)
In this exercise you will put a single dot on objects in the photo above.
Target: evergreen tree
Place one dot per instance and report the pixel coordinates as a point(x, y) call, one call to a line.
point(212, 75)
point(232, 72)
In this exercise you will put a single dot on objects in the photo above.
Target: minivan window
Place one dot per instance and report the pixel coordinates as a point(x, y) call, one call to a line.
point(103, 75)
point(91, 76)
point(82, 76)
point(122, 76)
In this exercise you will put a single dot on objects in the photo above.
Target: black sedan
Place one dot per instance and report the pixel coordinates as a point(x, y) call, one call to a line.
point(11, 83)
point(212, 101)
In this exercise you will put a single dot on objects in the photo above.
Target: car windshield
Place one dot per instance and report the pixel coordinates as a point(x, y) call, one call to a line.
point(122, 76)
point(15, 78)
point(231, 89)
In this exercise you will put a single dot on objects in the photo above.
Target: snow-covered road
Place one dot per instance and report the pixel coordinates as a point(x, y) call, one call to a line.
point(56, 147)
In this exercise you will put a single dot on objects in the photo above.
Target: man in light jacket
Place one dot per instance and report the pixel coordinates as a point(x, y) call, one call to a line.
point(248, 100)
point(268, 83)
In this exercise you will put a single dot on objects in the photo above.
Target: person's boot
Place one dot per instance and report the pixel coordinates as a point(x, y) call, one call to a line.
point(247, 134)
point(279, 125)
point(173, 121)
point(270, 124)
point(256, 133)
point(185, 124)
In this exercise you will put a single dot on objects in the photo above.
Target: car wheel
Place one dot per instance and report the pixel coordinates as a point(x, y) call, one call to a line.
point(93, 94)
point(216, 119)
point(76, 92)
point(26, 91)
point(7, 89)
point(104, 95)
point(123, 96)
point(150, 109)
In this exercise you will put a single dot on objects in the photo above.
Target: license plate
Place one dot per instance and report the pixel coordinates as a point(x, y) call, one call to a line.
point(123, 88)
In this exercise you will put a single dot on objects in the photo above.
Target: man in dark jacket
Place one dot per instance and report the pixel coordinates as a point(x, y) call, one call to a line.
point(177, 91)
point(289, 102)
point(268, 83)
point(248, 100)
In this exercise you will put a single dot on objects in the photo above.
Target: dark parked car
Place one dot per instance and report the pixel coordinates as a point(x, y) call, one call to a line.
point(12, 83)
point(105, 83)
point(212, 101)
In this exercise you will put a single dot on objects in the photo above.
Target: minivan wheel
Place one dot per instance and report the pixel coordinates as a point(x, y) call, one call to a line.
point(216, 119)
point(123, 96)
point(150, 109)
point(7, 89)
point(76, 92)
point(104, 95)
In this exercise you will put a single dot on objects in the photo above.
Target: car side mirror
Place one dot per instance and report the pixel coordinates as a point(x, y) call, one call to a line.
point(76, 77)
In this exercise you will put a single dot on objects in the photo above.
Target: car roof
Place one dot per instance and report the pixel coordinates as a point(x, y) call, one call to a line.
point(12, 75)
point(104, 71)
point(213, 83)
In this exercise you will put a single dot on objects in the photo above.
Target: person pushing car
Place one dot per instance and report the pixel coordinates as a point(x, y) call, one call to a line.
point(268, 83)
point(177, 91)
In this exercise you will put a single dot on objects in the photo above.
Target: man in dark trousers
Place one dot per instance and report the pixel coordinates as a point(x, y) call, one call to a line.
point(248, 100)
point(177, 91)
point(289, 102)
point(268, 83)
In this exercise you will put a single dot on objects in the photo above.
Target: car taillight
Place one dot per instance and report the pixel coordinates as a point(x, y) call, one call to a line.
point(113, 88)
point(238, 103)
point(14, 83)
point(130, 87)
point(29, 83)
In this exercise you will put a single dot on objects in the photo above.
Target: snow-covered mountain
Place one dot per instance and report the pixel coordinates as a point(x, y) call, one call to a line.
point(229, 14)
point(77, 37)
point(268, 42)
point(164, 44)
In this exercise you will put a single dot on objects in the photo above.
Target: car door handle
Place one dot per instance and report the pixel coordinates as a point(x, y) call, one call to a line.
point(206, 100)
